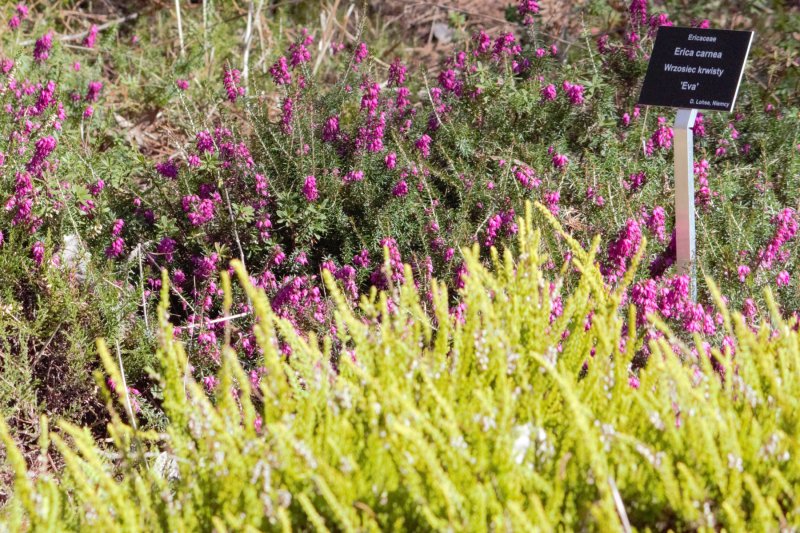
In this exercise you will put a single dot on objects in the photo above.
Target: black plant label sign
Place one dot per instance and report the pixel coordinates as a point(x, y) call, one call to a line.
point(696, 68)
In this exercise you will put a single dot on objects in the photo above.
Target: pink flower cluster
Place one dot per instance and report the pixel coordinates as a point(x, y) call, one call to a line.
point(199, 208)
point(661, 138)
point(703, 195)
point(497, 222)
point(621, 250)
point(786, 226)
point(91, 37)
point(574, 92)
point(41, 50)
point(310, 189)
point(231, 78)
point(527, 9)
point(526, 176)
point(20, 15)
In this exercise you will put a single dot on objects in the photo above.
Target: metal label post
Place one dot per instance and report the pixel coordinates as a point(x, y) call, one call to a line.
point(683, 142)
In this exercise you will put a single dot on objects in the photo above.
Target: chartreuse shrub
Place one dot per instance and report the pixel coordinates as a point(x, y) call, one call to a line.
point(503, 420)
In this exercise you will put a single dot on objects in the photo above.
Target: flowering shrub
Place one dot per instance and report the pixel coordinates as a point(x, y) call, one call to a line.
point(335, 159)
point(336, 171)
point(505, 417)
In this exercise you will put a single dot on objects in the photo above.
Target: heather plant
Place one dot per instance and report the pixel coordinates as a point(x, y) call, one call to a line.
point(375, 154)
point(502, 418)
point(309, 151)
point(329, 152)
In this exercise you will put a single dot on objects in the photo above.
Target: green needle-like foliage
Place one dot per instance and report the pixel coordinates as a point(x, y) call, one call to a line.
point(505, 421)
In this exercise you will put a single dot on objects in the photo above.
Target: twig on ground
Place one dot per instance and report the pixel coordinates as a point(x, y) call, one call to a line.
point(80, 35)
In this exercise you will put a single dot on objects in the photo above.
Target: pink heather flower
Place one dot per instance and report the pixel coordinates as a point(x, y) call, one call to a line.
point(661, 138)
point(204, 142)
point(168, 169)
point(91, 38)
point(574, 92)
point(6, 65)
point(560, 160)
point(505, 45)
point(526, 176)
point(656, 221)
point(743, 272)
point(662, 19)
point(88, 112)
point(423, 144)
point(638, 11)
point(749, 310)
point(288, 114)
point(602, 44)
point(597, 199)
point(527, 9)
point(308, 39)
point(369, 100)
point(182, 84)
point(353, 175)
point(361, 259)
point(622, 249)
point(280, 72)
point(402, 101)
point(97, 188)
point(401, 189)
point(549, 92)
point(370, 136)
point(44, 147)
point(166, 248)
point(633, 381)
point(310, 189)
point(298, 54)
point(703, 193)
point(378, 277)
point(210, 383)
point(116, 248)
point(93, 91)
point(483, 43)
point(390, 160)
point(41, 50)
point(262, 187)
point(21, 14)
point(198, 210)
point(330, 131)
point(397, 73)
point(37, 252)
point(116, 229)
point(699, 127)
point(551, 200)
point(783, 278)
point(786, 229)
point(644, 295)
point(361, 53)
point(634, 181)
point(230, 79)
point(449, 81)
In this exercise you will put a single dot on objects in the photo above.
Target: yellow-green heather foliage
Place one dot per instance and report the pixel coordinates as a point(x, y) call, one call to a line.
point(432, 425)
